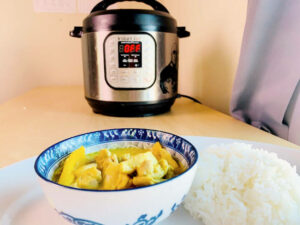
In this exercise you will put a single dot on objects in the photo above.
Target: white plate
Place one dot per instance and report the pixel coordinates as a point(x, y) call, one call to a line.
point(23, 203)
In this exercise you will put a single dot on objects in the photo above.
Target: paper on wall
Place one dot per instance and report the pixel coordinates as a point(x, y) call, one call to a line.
point(63, 6)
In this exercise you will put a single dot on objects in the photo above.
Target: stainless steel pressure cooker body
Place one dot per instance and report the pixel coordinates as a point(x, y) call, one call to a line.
point(130, 59)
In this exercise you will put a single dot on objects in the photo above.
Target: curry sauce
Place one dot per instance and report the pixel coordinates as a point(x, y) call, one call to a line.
point(115, 169)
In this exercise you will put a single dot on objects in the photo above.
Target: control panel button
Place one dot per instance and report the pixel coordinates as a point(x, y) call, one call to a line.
point(113, 78)
point(138, 80)
point(124, 79)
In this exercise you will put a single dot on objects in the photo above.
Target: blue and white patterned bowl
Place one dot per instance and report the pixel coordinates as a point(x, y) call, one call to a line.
point(138, 206)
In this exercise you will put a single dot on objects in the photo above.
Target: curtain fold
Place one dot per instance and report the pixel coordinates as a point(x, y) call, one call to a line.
point(265, 91)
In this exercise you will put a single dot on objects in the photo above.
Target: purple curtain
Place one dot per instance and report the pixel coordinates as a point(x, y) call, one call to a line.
point(266, 91)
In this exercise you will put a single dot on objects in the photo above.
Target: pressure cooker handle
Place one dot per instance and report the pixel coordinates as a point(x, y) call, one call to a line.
point(103, 5)
point(182, 32)
point(77, 32)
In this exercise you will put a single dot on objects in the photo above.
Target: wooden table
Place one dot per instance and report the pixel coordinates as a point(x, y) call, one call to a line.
point(43, 116)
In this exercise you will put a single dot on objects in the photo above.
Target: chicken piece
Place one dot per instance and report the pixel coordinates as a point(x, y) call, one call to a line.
point(88, 176)
point(158, 172)
point(104, 158)
point(169, 171)
point(130, 165)
point(151, 169)
point(146, 167)
point(161, 153)
point(114, 178)
point(75, 160)
point(164, 165)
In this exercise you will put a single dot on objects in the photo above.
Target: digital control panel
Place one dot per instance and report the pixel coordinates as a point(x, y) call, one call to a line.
point(130, 54)
point(130, 61)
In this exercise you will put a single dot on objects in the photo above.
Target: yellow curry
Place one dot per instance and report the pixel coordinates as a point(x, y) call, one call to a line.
point(118, 168)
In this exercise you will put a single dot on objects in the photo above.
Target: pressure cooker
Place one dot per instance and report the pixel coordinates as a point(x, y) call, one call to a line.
point(130, 59)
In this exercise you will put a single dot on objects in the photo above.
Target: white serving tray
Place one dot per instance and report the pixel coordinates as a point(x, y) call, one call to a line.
point(23, 203)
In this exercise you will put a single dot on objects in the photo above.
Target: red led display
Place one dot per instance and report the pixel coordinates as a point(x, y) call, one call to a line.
point(132, 48)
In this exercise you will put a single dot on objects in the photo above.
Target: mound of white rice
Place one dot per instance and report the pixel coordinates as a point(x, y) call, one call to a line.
point(238, 185)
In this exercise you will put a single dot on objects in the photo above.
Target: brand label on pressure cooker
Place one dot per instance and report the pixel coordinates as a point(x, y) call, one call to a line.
point(130, 54)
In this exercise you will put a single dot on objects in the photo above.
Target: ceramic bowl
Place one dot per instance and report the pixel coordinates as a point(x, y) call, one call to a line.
point(138, 206)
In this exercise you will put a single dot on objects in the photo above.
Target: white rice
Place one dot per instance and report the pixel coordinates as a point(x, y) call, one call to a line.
point(238, 185)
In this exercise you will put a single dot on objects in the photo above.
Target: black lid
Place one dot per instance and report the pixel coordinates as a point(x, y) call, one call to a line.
point(130, 20)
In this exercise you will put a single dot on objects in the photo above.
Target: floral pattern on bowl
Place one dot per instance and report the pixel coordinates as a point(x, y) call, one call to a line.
point(142, 220)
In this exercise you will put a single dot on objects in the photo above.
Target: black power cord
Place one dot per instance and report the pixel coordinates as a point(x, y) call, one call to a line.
point(189, 97)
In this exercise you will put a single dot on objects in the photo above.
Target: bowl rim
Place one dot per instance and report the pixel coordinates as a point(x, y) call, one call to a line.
point(120, 190)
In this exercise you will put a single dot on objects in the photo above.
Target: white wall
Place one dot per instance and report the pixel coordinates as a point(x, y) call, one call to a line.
point(36, 50)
